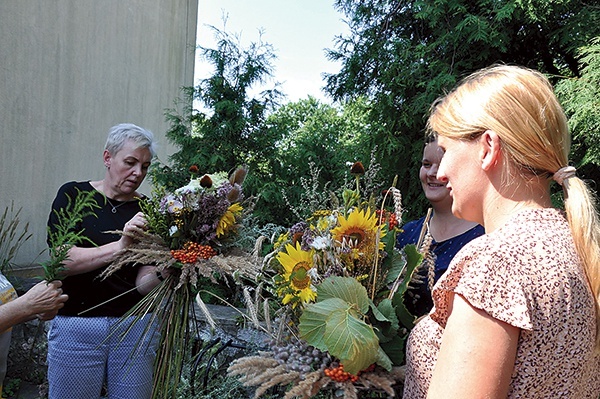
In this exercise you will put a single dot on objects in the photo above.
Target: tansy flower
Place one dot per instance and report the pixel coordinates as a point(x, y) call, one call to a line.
point(282, 239)
point(297, 265)
point(227, 221)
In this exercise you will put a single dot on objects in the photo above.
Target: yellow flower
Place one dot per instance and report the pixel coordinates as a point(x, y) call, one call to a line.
point(227, 221)
point(281, 240)
point(296, 265)
point(359, 230)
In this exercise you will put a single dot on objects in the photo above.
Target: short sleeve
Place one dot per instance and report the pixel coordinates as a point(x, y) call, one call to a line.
point(486, 276)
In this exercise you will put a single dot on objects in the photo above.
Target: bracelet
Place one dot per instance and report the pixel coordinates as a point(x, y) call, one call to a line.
point(159, 276)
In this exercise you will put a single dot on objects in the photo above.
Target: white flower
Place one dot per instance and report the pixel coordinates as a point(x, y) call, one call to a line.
point(313, 273)
point(320, 243)
point(173, 230)
point(192, 187)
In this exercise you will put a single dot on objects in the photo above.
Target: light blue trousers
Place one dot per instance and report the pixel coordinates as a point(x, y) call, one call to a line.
point(82, 358)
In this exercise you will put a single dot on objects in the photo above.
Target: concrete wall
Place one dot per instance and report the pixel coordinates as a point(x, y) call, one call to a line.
point(71, 69)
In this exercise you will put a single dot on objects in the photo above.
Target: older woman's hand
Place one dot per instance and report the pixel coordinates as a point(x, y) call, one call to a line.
point(133, 229)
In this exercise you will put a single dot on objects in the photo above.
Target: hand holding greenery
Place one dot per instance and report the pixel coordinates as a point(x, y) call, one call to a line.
point(191, 230)
point(66, 234)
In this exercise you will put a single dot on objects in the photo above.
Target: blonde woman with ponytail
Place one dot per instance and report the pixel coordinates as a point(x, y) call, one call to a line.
point(516, 315)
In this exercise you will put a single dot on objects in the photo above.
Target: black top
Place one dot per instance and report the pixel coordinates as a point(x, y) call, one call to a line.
point(87, 290)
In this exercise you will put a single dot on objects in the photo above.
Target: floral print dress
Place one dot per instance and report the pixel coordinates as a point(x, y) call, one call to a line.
point(526, 274)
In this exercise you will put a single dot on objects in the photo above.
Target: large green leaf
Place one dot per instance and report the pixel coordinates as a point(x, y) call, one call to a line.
point(394, 264)
point(386, 321)
point(395, 349)
point(335, 324)
point(383, 359)
point(351, 340)
point(346, 288)
point(413, 260)
point(314, 318)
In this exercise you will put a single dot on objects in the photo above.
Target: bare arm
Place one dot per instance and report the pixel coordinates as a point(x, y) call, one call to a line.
point(147, 278)
point(43, 299)
point(477, 355)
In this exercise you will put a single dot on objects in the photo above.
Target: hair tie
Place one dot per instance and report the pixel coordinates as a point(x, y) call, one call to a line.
point(563, 173)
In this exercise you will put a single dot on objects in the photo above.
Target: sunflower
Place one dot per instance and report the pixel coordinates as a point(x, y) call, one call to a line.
point(358, 231)
point(227, 221)
point(296, 267)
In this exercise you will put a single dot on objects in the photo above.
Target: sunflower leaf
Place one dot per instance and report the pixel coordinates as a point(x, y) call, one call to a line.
point(394, 263)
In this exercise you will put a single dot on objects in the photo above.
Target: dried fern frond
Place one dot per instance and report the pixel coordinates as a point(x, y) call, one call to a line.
point(399, 373)
point(258, 244)
point(349, 389)
point(148, 249)
point(397, 195)
point(252, 311)
point(267, 315)
point(320, 384)
point(206, 312)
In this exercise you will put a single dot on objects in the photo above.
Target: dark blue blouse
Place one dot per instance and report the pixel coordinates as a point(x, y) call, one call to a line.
point(418, 299)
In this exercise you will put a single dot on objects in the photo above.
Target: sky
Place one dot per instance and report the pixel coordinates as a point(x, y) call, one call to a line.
point(298, 30)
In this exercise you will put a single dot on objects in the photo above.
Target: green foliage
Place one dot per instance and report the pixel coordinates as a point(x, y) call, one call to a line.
point(402, 55)
point(230, 130)
point(65, 235)
point(309, 161)
point(335, 323)
point(580, 97)
point(11, 387)
point(283, 147)
point(401, 285)
point(12, 236)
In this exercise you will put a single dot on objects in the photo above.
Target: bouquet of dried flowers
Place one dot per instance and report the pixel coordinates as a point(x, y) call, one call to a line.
point(191, 231)
point(340, 280)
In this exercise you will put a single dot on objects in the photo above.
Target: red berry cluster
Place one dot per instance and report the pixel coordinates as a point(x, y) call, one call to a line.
point(338, 374)
point(388, 217)
point(193, 251)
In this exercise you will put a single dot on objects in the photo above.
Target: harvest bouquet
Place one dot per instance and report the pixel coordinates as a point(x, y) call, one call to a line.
point(191, 232)
point(340, 282)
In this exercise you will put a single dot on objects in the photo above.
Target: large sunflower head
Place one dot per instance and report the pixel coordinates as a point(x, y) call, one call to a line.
point(228, 220)
point(358, 231)
point(296, 282)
